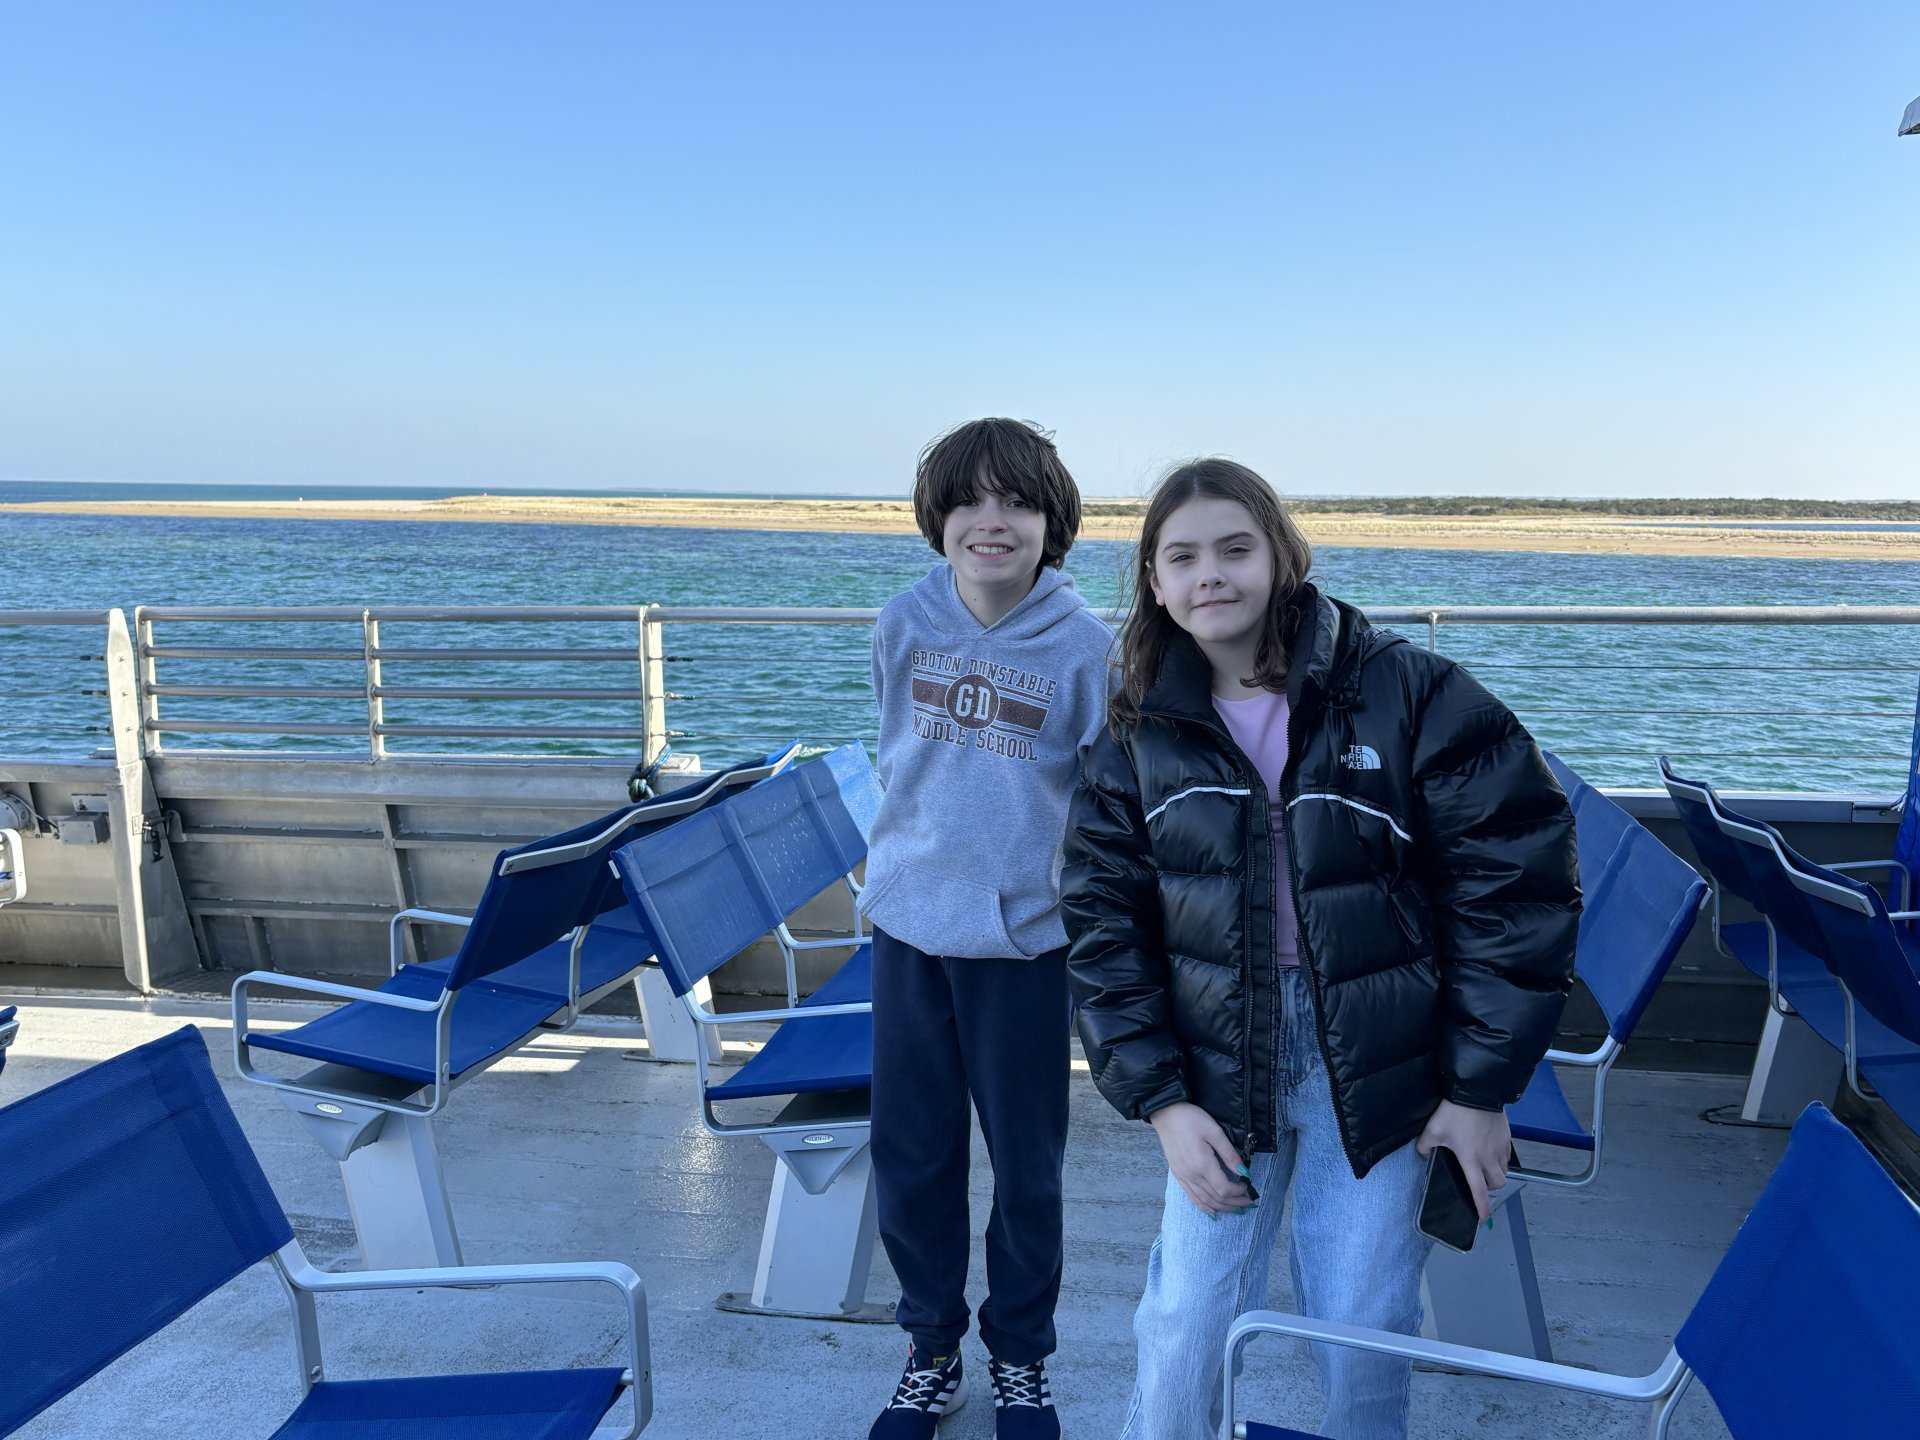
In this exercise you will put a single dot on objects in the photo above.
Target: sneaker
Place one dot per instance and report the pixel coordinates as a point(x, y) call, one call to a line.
point(927, 1393)
point(1022, 1403)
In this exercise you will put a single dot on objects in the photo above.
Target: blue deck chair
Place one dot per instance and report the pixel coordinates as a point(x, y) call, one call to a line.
point(385, 1064)
point(1806, 1328)
point(130, 1195)
point(1729, 858)
point(9, 1027)
point(1906, 843)
point(712, 889)
point(1876, 968)
point(1798, 1055)
point(1639, 903)
point(1751, 942)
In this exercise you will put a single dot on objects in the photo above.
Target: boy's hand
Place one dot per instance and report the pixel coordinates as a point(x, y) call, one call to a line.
point(1200, 1157)
point(1479, 1139)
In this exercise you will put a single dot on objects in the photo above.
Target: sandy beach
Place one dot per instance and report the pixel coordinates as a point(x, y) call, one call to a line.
point(1107, 520)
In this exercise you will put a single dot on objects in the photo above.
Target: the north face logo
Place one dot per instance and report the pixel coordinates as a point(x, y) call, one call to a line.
point(1361, 757)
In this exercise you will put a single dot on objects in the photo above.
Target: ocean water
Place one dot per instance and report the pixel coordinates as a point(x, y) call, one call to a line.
point(1826, 707)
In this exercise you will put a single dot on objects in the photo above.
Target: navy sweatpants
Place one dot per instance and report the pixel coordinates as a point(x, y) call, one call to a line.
point(946, 1030)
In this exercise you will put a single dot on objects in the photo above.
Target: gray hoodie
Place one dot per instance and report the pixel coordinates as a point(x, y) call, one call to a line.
point(980, 731)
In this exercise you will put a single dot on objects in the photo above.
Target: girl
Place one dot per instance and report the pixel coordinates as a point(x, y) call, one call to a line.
point(1322, 900)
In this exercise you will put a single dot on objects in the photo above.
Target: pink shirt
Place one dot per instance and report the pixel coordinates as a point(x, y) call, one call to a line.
point(1258, 725)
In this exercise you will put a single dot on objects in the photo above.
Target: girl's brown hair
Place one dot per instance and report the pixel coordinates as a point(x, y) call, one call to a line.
point(1149, 629)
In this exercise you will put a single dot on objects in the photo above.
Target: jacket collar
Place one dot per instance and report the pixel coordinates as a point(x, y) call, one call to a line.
point(1325, 633)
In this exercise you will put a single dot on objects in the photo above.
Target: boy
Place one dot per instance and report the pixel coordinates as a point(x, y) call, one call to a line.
point(990, 673)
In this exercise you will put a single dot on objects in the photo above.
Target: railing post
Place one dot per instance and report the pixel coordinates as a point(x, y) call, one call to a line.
point(1433, 631)
point(376, 706)
point(156, 934)
point(653, 686)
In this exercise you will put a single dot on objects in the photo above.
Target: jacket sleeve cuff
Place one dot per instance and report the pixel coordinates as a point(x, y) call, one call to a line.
point(1475, 1099)
point(1171, 1094)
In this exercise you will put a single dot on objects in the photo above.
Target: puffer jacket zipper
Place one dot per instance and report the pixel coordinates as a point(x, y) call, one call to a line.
point(1295, 731)
point(1244, 768)
point(1313, 979)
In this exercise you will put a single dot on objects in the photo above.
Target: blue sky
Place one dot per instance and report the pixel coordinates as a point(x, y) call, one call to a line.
point(1525, 248)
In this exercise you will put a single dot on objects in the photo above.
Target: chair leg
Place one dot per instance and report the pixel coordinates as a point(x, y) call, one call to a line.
point(1490, 1297)
point(1794, 1065)
point(816, 1250)
point(671, 1035)
point(398, 1198)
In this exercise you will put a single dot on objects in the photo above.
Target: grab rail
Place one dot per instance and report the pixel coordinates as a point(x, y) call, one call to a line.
point(764, 674)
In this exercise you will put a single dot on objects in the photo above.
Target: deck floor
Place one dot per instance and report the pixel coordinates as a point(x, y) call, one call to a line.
point(569, 1151)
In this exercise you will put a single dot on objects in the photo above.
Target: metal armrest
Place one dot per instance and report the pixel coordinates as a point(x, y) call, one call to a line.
point(797, 1012)
point(1903, 914)
point(1661, 1384)
point(328, 988)
point(442, 1009)
point(438, 917)
point(303, 1282)
point(1583, 1057)
point(846, 942)
point(1599, 1061)
point(1898, 867)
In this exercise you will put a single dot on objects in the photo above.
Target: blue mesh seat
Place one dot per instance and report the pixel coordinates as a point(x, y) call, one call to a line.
point(617, 943)
point(1872, 962)
point(1756, 944)
point(1542, 1114)
point(834, 1053)
point(1639, 902)
point(134, 1192)
point(1806, 1328)
point(727, 877)
point(488, 1022)
point(521, 1405)
point(551, 934)
point(551, 928)
point(713, 889)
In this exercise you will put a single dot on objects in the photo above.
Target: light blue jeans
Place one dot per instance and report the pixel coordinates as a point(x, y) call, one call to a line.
point(1355, 1257)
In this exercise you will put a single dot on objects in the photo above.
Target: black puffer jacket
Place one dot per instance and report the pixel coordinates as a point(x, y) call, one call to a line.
point(1433, 872)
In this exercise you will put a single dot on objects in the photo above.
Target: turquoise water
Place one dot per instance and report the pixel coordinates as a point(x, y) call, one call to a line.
point(1808, 707)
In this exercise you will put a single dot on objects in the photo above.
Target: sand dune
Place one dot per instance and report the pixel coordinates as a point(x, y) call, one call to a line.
point(1581, 534)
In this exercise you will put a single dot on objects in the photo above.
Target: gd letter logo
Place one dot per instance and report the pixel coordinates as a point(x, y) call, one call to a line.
point(973, 701)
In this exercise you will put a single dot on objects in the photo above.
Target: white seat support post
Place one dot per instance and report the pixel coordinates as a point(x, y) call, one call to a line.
point(816, 1249)
point(671, 1033)
point(396, 1192)
point(1792, 1066)
point(1489, 1298)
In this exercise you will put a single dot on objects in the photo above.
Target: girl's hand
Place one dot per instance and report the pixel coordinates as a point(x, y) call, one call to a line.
point(1481, 1142)
point(1201, 1158)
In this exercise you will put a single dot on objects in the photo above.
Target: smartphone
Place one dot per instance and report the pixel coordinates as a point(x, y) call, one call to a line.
point(1253, 1195)
point(1447, 1213)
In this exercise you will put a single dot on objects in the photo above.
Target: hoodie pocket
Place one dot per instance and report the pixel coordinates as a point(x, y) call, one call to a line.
point(964, 913)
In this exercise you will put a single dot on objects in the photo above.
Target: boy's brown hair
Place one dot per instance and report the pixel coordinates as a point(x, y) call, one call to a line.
point(1001, 457)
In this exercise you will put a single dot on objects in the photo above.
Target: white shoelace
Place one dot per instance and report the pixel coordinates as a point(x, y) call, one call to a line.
point(1020, 1385)
point(920, 1389)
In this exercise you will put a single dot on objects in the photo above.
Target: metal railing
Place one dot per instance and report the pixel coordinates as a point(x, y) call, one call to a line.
point(370, 656)
point(51, 683)
point(1790, 686)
